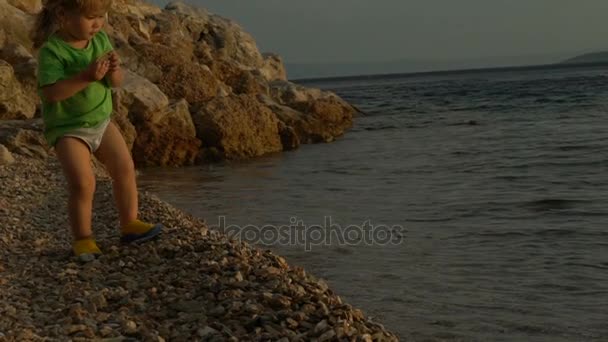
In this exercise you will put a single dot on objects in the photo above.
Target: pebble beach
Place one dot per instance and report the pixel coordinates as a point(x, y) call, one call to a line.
point(192, 284)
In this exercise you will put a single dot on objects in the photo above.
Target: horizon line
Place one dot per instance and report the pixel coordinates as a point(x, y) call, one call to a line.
point(450, 71)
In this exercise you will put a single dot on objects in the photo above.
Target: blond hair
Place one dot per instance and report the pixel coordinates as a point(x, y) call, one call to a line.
point(46, 21)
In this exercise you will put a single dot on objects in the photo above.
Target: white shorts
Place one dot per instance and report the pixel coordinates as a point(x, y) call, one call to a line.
point(91, 136)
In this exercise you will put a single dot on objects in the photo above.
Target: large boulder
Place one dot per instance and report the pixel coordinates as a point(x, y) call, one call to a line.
point(332, 114)
point(177, 115)
point(157, 131)
point(164, 145)
point(192, 81)
point(16, 24)
point(195, 20)
point(15, 54)
point(273, 68)
point(120, 117)
point(24, 137)
point(15, 103)
point(137, 8)
point(316, 115)
point(240, 81)
point(238, 126)
point(24, 66)
point(2, 38)
point(27, 6)
point(143, 99)
point(289, 93)
point(228, 39)
point(135, 59)
point(289, 137)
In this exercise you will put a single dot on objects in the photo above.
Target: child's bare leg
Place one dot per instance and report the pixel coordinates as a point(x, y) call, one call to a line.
point(114, 154)
point(75, 159)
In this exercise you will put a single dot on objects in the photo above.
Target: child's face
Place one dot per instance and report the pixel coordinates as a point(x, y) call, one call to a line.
point(83, 26)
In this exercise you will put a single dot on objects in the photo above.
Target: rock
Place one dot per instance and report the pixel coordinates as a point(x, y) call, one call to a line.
point(159, 133)
point(120, 117)
point(240, 81)
point(288, 93)
point(327, 336)
point(2, 38)
point(74, 328)
point(14, 53)
point(217, 311)
point(5, 158)
point(28, 6)
point(24, 66)
point(194, 19)
point(164, 145)
point(206, 332)
point(365, 338)
point(227, 39)
point(238, 126)
point(14, 103)
point(321, 327)
point(191, 306)
point(77, 313)
point(252, 308)
point(280, 302)
point(135, 8)
point(291, 323)
point(99, 300)
point(177, 115)
point(106, 331)
point(129, 327)
point(143, 99)
point(326, 116)
point(24, 137)
point(311, 127)
point(273, 68)
point(289, 138)
point(15, 23)
point(335, 114)
point(193, 82)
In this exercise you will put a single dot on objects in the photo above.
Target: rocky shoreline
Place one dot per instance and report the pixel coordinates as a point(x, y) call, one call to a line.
point(193, 284)
point(196, 90)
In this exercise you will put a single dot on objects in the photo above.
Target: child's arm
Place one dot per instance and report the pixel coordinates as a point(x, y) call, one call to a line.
point(65, 89)
point(115, 75)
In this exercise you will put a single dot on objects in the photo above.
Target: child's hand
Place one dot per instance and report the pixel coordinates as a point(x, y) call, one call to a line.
point(97, 70)
point(114, 61)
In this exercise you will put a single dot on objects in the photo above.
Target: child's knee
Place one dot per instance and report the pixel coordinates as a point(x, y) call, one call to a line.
point(124, 170)
point(83, 186)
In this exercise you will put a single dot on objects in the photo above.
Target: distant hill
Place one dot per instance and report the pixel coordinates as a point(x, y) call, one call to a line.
point(320, 69)
point(595, 57)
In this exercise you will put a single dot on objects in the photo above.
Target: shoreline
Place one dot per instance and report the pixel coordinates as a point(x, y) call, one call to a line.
point(191, 284)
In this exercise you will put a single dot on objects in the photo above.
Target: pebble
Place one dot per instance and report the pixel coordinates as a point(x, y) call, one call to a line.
point(188, 285)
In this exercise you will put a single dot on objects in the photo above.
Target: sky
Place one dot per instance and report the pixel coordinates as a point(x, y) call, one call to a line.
point(313, 31)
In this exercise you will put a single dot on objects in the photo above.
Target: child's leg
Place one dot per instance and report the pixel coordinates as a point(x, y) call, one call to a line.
point(75, 159)
point(114, 154)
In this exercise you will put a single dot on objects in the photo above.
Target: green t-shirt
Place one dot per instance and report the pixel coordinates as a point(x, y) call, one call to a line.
point(57, 60)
